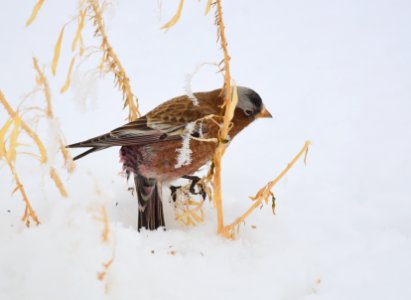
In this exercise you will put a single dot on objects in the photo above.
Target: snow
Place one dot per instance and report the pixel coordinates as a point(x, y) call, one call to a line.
point(184, 153)
point(334, 72)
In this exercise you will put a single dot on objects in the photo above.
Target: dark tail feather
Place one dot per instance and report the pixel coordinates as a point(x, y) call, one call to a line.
point(88, 152)
point(150, 207)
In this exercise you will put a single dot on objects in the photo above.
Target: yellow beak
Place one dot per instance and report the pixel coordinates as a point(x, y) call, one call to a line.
point(264, 113)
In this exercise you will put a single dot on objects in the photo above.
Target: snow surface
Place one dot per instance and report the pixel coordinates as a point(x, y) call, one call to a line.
point(335, 72)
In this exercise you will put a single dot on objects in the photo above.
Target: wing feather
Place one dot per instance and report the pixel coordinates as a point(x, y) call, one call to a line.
point(133, 133)
point(166, 122)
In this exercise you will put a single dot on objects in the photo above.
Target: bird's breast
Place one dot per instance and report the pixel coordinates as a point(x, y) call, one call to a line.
point(168, 160)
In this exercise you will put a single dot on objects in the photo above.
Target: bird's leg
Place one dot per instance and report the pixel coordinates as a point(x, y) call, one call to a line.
point(194, 182)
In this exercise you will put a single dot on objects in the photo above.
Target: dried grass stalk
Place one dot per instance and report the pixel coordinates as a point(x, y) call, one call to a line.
point(113, 63)
point(43, 83)
point(26, 128)
point(229, 104)
point(10, 156)
point(29, 213)
point(68, 160)
point(57, 181)
point(34, 13)
point(265, 193)
point(102, 216)
point(102, 275)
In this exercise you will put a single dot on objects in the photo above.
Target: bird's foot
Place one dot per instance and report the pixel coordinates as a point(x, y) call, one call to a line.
point(195, 181)
point(174, 190)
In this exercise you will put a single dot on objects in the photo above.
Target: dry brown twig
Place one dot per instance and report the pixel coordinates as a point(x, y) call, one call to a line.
point(264, 193)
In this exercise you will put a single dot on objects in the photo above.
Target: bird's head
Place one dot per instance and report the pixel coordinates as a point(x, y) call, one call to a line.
point(250, 103)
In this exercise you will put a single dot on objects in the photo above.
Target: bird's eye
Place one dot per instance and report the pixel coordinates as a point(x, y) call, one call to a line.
point(248, 112)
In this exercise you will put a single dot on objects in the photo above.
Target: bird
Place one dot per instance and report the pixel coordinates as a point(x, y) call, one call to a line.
point(172, 141)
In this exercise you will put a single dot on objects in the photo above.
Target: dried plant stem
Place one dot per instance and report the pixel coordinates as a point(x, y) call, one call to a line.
point(29, 213)
point(102, 275)
point(112, 61)
point(105, 239)
point(264, 193)
point(26, 128)
point(57, 181)
point(217, 188)
point(102, 217)
point(229, 109)
point(41, 80)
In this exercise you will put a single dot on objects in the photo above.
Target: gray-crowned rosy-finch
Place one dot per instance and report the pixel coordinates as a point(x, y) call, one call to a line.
point(173, 140)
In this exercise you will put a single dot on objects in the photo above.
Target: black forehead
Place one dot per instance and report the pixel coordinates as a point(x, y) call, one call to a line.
point(255, 99)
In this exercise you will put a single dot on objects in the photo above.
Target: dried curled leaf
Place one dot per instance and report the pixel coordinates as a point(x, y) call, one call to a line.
point(56, 54)
point(3, 132)
point(13, 144)
point(175, 18)
point(34, 13)
point(208, 6)
point(66, 85)
point(233, 103)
